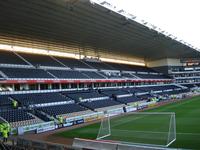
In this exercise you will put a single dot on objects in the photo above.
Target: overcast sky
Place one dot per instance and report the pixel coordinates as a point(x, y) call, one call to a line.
point(178, 17)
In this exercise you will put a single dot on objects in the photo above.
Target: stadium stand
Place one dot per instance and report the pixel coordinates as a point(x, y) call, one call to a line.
point(4, 100)
point(99, 65)
point(15, 115)
point(112, 75)
point(73, 63)
point(41, 60)
point(126, 67)
point(8, 57)
point(151, 76)
point(113, 92)
point(19, 117)
point(47, 85)
point(62, 109)
point(189, 85)
point(84, 95)
point(128, 75)
point(93, 74)
point(99, 103)
point(126, 100)
point(68, 74)
point(39, 98)
point(158, 88)
point(25, 73)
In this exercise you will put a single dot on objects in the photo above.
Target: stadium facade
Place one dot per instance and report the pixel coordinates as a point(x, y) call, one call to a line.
point(56, 60)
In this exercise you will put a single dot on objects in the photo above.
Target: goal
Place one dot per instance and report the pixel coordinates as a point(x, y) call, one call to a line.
point(144, 128)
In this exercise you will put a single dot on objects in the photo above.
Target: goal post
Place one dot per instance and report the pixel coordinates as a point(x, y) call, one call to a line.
point(146, 128)
point(172, 130)
point(104, 130)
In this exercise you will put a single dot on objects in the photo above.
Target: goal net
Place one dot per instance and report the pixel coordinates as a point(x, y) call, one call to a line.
point(146, 128)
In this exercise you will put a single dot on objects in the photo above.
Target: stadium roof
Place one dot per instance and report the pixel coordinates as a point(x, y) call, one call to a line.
point(90, 25)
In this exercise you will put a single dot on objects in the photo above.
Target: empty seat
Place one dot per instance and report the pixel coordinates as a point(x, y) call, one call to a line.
point(39, 98)
point(5, 100)
point(15, 115)
point(62, 109)
point(25, 73)
point(152, 76)
point(81, 95)
point(7, 57)
point(40, 60)
point(72, 63)
point(115, 92)
point(126, 100)
point(68, 74)
point(93, 75)
point(100, 103)
point(99, 65)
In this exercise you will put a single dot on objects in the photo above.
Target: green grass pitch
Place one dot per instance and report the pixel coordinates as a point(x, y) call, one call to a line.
point(187, 126)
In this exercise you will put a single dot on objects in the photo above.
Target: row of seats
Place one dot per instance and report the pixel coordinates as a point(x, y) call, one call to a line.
point(189, 85)
point(175, 92)
point(15, 115)
point(158, 88)
point(39, 98)
point(99, 103)
point(5, 100)
point(78, 96)
point(8, 57)
point(152, 76)
point(66, 74)
point(127, 100)
point(42, 98)
point(93, 74)
point(111, 92)
point(25, 73)
point(62, 109)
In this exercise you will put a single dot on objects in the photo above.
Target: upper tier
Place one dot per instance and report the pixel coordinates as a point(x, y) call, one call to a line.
point(35, 66)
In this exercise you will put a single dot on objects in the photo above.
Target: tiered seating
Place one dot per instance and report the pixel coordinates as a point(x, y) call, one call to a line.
point(84, 95)
point(139, 68)
point(145, 96)
point(15, 115)
point(99, 104)
point(151, 76)
point(112, 75)
point(197, 84)
point(189, 85)
point(100, 65)
point(62, 109)
point(72, 63)
point(111, 92)
point(39, 98)
point(68, 74)
point(93, 74)
point(134, 90)
point(158, 88)
point(176, 91)
point(25, 73)
point(7, 57)
point(165, 87)
point(128, 75)
point(126, 100)
point(40, 60)
point(126, 67)
point(4, 100)
point(150, 88)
